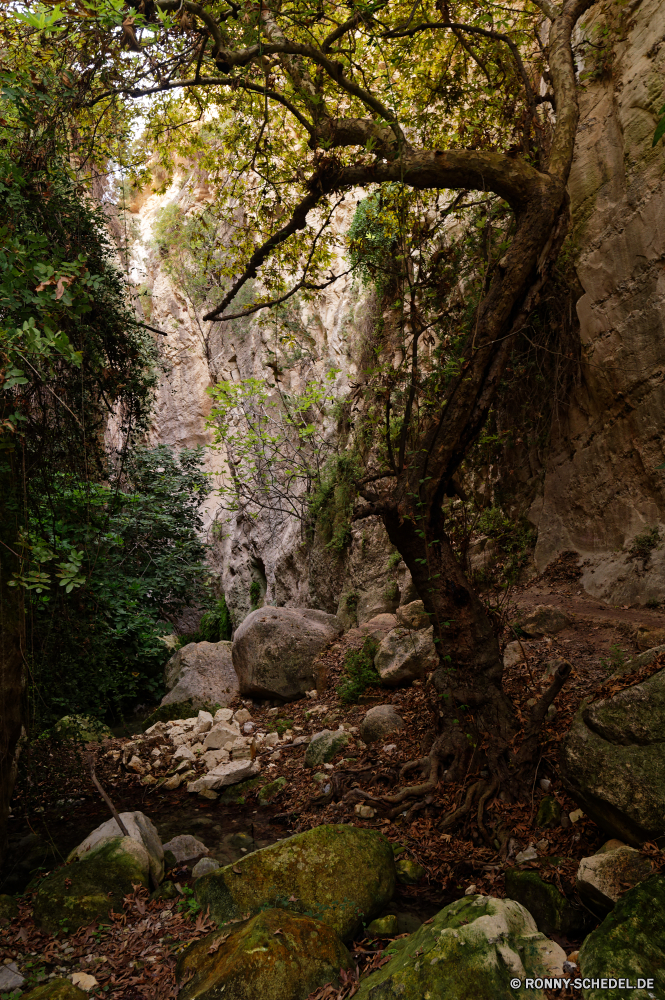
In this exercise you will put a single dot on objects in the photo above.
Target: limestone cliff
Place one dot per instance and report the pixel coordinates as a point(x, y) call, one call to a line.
point(594, 485)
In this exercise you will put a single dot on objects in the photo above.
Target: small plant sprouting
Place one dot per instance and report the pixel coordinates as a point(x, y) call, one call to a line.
point(187, 904)
point(616, 660)
point(644, 543)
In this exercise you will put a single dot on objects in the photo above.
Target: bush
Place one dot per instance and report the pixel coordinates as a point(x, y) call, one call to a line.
point(360, 672)
point(216, 624)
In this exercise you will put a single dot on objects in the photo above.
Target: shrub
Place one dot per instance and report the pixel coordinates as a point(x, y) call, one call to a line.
point(360, 672)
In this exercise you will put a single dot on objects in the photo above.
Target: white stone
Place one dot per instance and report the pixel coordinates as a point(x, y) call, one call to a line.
point(225, 774)
point(204, 722)
point(172, 783)
point(203, 673)
point(223, 715)
point(204, 867)
point(405, 656)
point(184, 753)
point(214, 757)
point(219, 735)
point(241, 716)
point(185, 847)
point(271, 740)
point(528, 854)
point(10, 977)
point(84, 981)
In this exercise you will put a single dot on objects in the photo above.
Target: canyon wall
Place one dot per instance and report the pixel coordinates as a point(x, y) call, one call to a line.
point(597, 486)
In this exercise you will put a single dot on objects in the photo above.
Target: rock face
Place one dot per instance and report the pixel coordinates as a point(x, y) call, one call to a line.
point(553, 913)
point(275, 955)
point(274, 650)
point(413, 615)
point(139, 828)
point(340, 875)
point(614, 761)
point(472, 948)
point(629, 943)
point(201, 673)
point(405, 656)
point(89, 889)
point(379, 722)
point(604, 877)
point(601, 488)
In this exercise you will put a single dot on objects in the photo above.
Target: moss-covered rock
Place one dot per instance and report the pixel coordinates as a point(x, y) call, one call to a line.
point(340, 875)
point(383, 926)
point(237, 794)
point(82, 727)
point(89, 889)
point(409, 872)
point(549, 812)
point(56, 989)
point(630, 943)
point(324, 746)
point(470, 951)
point(8, 909)
point(614, 761)
point(269, 791)
point(275, 955)
point(553, 913)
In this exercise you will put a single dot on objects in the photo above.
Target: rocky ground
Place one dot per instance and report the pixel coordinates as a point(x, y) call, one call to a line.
point(257, 773)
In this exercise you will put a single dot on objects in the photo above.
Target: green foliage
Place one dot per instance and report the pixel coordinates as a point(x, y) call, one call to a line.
point(254, 594)
point(375, 234)
point(187, 903)
point(96, 648)
point(216, 624)
point(331, 504)
point(359, 672)
point(643, 544)
point(391, 591)
point(280, 726)
point(394, 559)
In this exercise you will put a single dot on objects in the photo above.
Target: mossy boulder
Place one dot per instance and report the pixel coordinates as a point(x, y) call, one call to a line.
point(324, 746)
point(275, 955)
point(614, 761)
point(549, 812)
point(409, 872)
point(56, 989)
point(470, 951)
point(83, 728)
point(271, 790)
point(8, 909)
point(340, 875)
point(89, 889)
point(383, 926)
point(630, 943)
point(237, 794)
point(553, 913)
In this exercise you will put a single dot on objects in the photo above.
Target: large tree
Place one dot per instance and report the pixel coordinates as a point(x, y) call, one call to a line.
point(288, 106)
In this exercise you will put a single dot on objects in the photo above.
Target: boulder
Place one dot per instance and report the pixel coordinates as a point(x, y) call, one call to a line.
point(82, 727)
point(184, 847)
point(614, 761)
point(543, 620)
point(650, 638)
point(225, 774)
point(413, 616)
point(379, 722)
point(10, 978)
point(204, 866)
point(553, 913)
point(220, 734)
point(324, 745)
point(274, 650)
point(471, 949)
point(87, 890)
point(340, 875)
point(405, 656)
point(139, 828)
point(603, 878)
point(202, 674)
point(56, 989)
point(383, 926)
point(630, 943)
point(409, 872)
point(271, 790)
point(275, 955)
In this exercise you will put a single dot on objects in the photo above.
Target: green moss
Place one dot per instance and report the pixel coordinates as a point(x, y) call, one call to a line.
point(409, 872)
point(553, 913)
point(549, 812)
point(338, 874)
point(83, 728)
point(269, 791)
point(237, 794)
point(383, 926)
point(275, 955)
point(56, 989)
point(464, 954)
point(359, 671)
point(89, 889)
point(323, 749)
point(629, 943)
